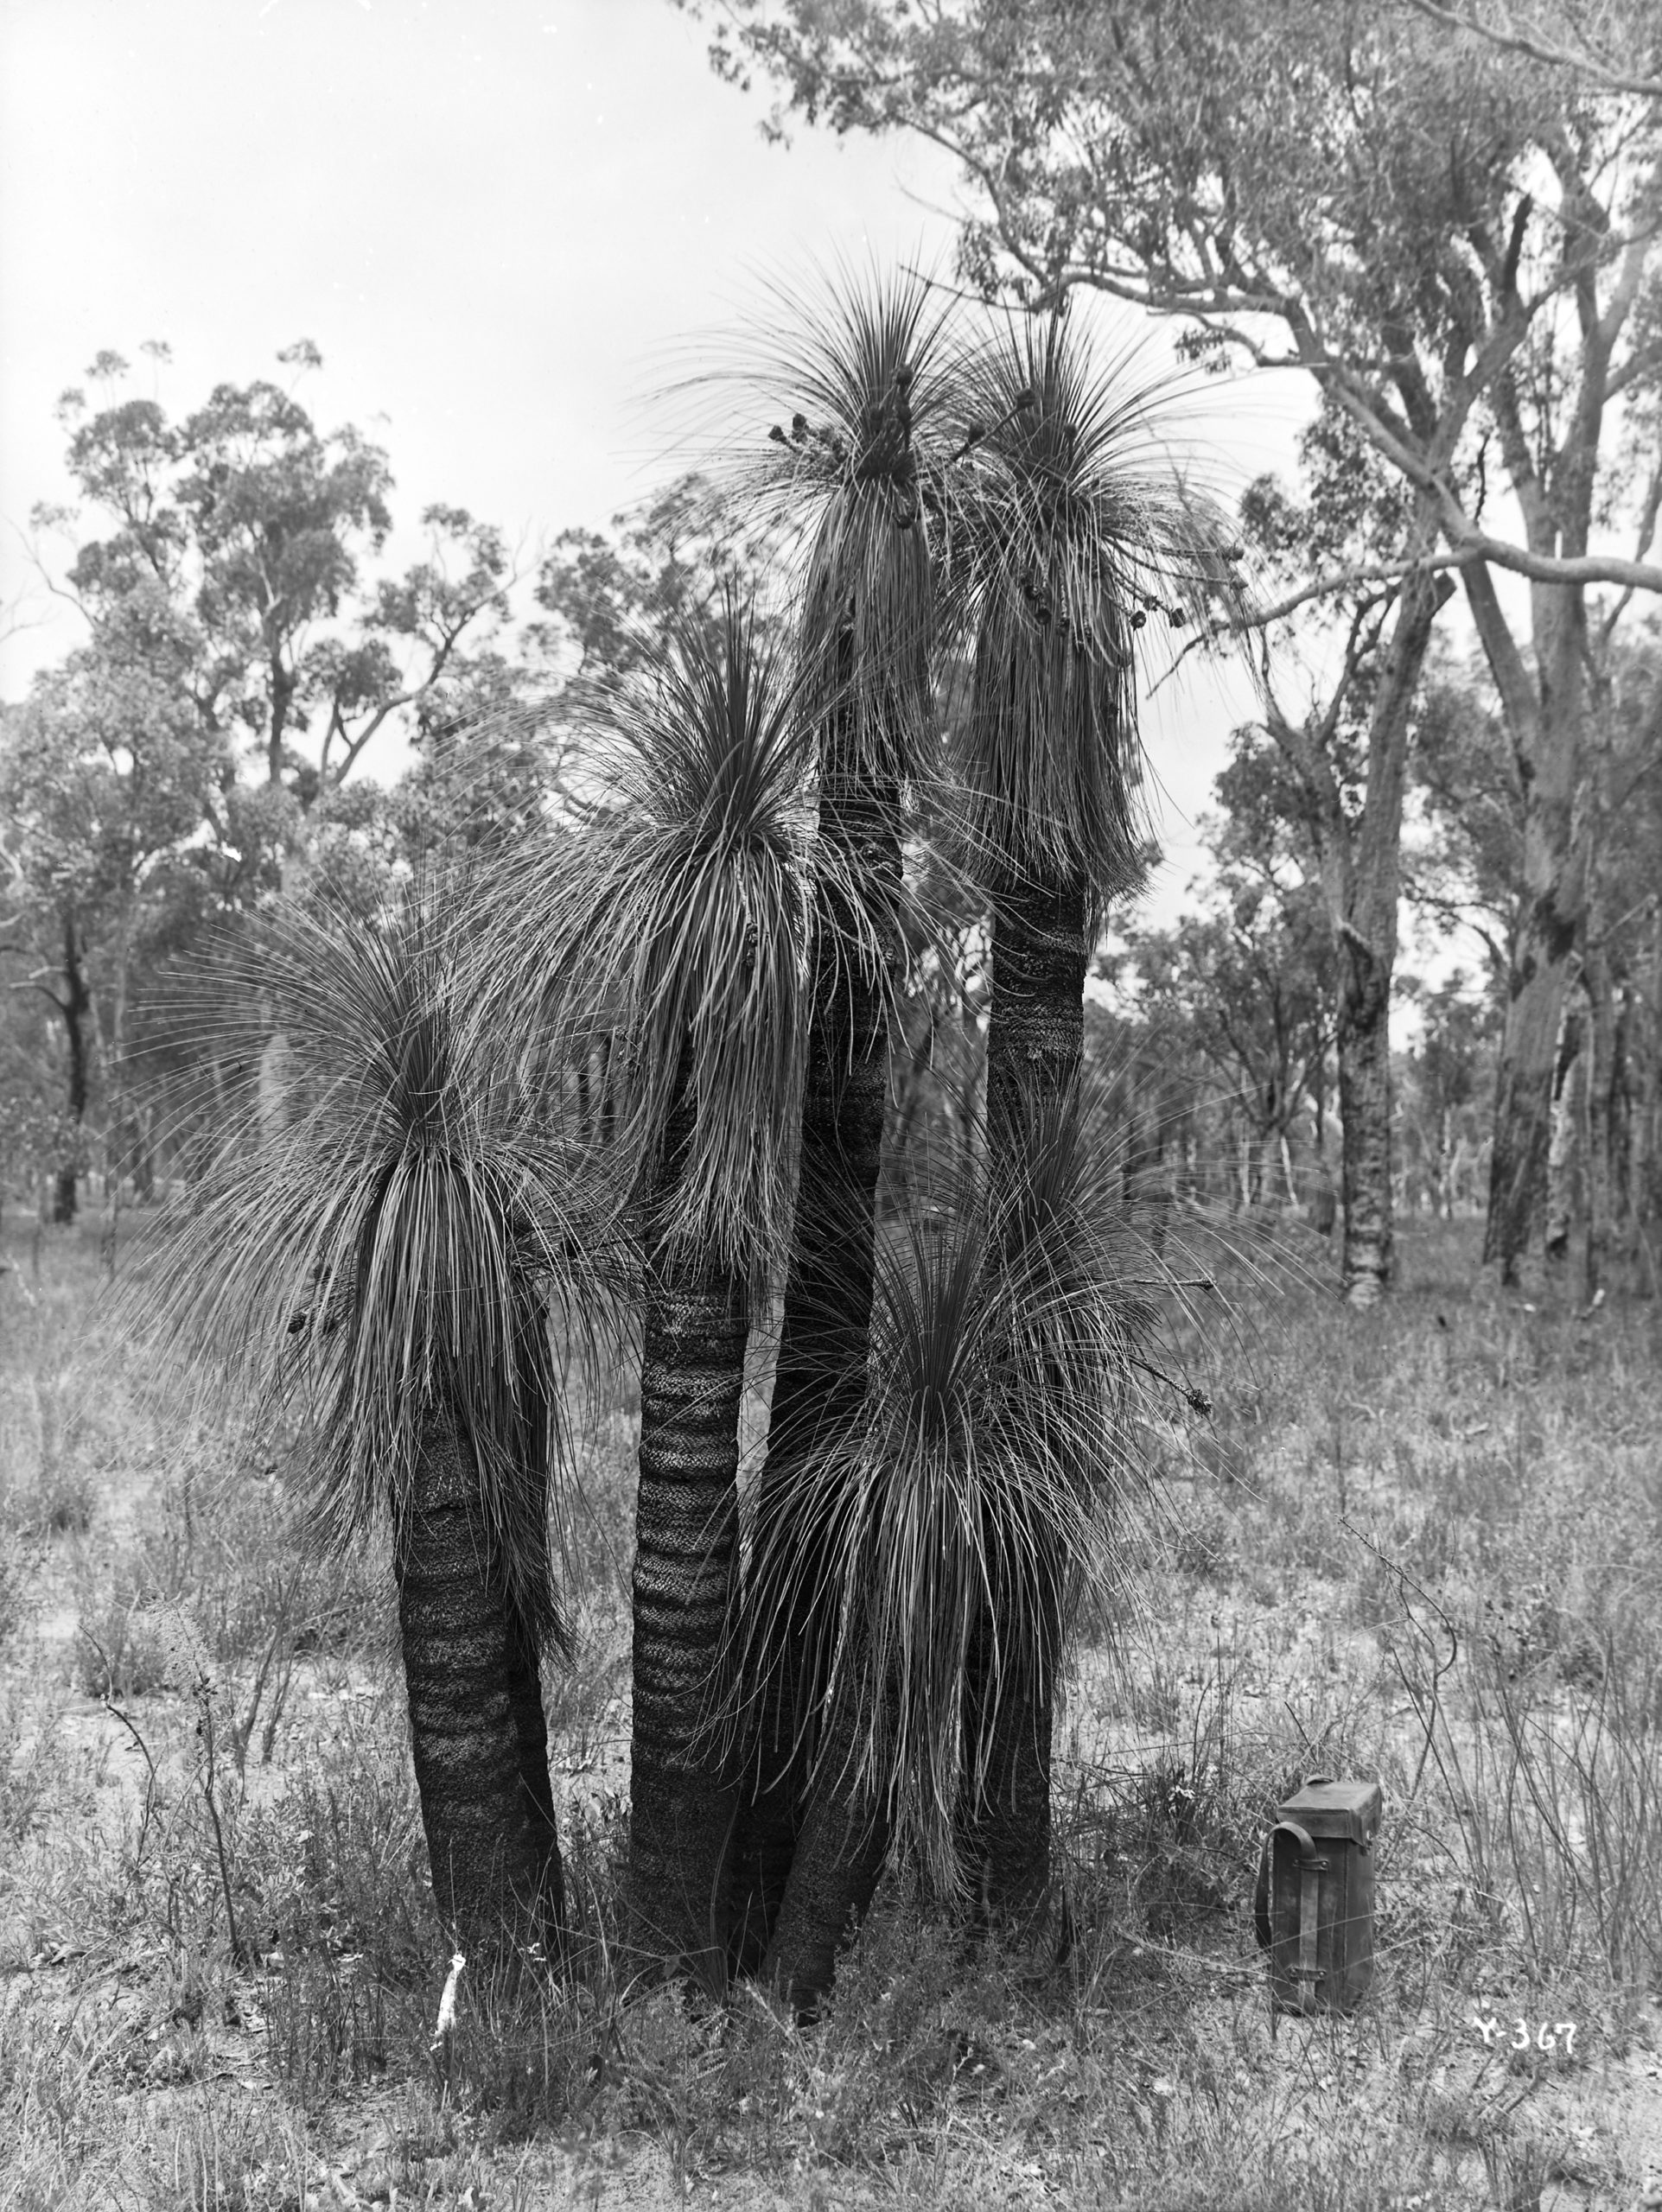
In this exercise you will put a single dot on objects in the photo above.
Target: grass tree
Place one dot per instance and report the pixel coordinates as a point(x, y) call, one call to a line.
point(681, 924)
point(951, 1527)
point(1064, 528)
point(380, 1256)
point(865, 381)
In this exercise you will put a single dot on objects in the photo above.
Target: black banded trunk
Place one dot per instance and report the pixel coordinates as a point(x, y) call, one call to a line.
point(819, 1379)
point(1036, 1027)
point(495, 1879)
point(1035, 1043)
point(682, 1806)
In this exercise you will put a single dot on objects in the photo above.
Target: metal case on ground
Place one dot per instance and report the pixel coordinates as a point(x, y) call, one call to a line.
point(1315, 1904)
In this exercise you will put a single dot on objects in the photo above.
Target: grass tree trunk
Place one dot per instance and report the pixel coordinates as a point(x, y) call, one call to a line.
point(1035, 1042)
point(1036, 1027)
point(820, 1376)
point(495, 1869)
point(1003, 1821)
point(840, 1849)
point(682, 1809)
point(536, 1788)
point(525, 1685)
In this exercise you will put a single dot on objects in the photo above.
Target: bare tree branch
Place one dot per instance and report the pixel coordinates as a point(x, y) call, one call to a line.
point(1514, 40)
point(1587, 569)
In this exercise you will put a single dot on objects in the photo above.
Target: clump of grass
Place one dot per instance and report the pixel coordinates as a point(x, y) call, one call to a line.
point(45, 1483)
point(17, 1573)
point(336, 1864)
point(25, 1780)
point(227, 1556)
point(222, 2151)
point(120, 1650)
point(55, 2064)
point(1552, 1786)
point(596, 1853)
point(540, 2054)
point(231, 1548)
point(334, 1873)
point(59, 1501)
point(327, 2027)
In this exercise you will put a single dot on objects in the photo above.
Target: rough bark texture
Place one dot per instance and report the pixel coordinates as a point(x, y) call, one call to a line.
point(1515, 1236)
point(1603, 1117)
point(681, 1809)
point(1364, 1047)
point(1545, 700)
point(1360, 869)
point(1035, 1041)
point(74, 1006)
point(467, 1739)
point(820, 1376)
point(1643, 1163)
point(1563, 1172)
point(1036, 1027)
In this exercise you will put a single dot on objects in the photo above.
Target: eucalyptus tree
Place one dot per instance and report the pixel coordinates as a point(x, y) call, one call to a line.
point(254, 526)
point(110, 787)
point(386, 1257)
point(680, 925)
point(1064, 528)
point(864, 366)
point(1346, 763)
point(1472, 874)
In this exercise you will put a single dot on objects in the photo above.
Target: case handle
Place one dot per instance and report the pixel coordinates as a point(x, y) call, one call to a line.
point(1312, 1867)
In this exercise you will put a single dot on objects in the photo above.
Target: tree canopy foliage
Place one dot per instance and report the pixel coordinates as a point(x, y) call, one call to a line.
point(1449, 219)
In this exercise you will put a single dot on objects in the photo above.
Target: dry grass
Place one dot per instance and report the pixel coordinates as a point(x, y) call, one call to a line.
point(1424, 1545)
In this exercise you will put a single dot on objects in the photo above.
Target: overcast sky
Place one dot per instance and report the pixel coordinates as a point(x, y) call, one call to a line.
point(501, 222)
